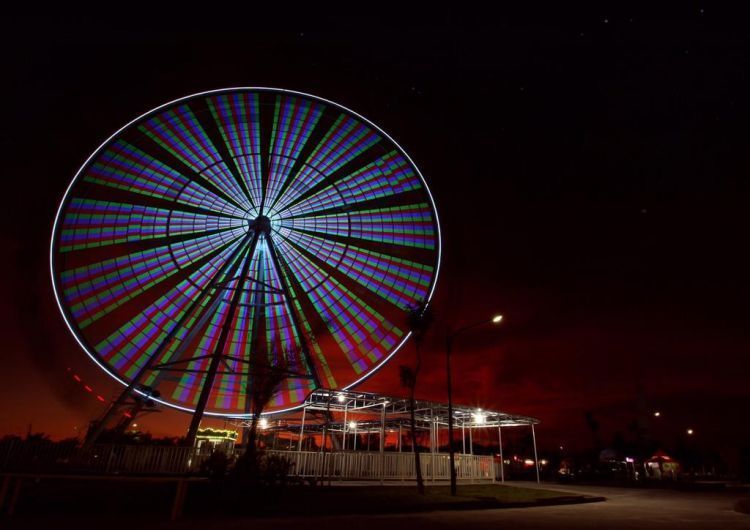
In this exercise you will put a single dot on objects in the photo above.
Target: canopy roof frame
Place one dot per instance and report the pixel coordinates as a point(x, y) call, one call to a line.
point(426, 412)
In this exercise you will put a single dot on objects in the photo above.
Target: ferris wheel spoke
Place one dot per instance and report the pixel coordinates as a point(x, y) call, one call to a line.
point(293, 122)
point(383, 300)
point(98, 288)
point(179, 132)
point(126, 168)
point(310, 323)
point(407, 226)
point(399, 281)
point(90, 223)
point(344, 141)
point(349, 319)
point(238, 118)
point(387, 176)
point(215, 135)
point(225, 334)
point(131, 346)
point(208, 314)
point(291, 320)
point(277, 333)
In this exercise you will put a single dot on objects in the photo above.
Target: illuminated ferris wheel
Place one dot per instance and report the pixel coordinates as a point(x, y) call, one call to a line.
point(237, 225)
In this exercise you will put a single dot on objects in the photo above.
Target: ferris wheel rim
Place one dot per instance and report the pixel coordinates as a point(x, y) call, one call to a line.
point(94, 356)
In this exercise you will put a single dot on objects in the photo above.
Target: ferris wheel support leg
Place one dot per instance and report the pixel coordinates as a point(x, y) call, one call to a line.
point(255, 346)
point(94, 434)
point(208, 383)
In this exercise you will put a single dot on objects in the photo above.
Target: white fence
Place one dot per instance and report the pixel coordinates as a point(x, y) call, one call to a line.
point(134, 459)
point(50, 457)
point(387, 466)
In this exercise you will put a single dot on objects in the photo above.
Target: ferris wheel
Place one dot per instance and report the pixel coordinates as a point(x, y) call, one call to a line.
point(243, 224)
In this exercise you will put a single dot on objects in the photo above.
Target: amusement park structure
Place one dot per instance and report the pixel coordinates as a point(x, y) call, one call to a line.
point(334, 421)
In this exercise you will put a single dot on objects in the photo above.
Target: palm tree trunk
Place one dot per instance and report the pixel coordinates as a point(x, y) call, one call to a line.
point(412, 406)
point(415, 447)
point(252, 434)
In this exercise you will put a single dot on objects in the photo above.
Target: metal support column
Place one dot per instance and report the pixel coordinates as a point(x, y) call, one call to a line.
point(502, 459)
point(382, 445)
point(471, 441)
point(345, 426)
point(432, 432)
point(382, 429)
point(302, 429)
point(463, 436)
point(536, 460)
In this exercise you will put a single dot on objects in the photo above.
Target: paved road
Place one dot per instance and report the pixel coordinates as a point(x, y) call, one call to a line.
point(625, 509)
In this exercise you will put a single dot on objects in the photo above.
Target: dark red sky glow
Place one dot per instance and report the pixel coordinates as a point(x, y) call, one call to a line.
point(591, 181)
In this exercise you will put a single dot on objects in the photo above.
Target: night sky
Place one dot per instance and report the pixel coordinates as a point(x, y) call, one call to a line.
point(590, 169)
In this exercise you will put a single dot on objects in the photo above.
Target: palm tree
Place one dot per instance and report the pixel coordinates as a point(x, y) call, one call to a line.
point(420, 318)
point(266, 377)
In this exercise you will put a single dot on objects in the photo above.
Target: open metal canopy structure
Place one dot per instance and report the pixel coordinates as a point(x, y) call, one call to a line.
point(344, 415)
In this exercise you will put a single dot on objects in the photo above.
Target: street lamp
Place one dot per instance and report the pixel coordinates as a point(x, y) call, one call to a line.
point(449, 339)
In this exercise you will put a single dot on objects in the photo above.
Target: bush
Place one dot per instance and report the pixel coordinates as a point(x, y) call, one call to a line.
point(262, 469)
point(216, 465)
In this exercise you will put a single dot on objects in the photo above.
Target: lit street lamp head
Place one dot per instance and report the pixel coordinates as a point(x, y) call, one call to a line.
point(497, 319)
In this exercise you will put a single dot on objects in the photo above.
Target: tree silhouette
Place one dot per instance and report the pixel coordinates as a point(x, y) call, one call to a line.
point(267, 372)
point(593, 425)
point(419, 320)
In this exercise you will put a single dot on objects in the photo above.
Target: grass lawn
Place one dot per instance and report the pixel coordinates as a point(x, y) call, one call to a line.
point(304, 501)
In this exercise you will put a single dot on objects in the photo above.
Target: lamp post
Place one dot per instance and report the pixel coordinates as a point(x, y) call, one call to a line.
point(449, 339)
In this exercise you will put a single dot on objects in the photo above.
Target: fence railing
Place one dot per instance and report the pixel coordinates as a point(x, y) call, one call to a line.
point(43, 456)
point(20, 456)
point(387, 466)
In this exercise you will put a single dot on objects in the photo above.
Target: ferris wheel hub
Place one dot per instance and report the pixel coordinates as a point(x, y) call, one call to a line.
point(261, 224)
